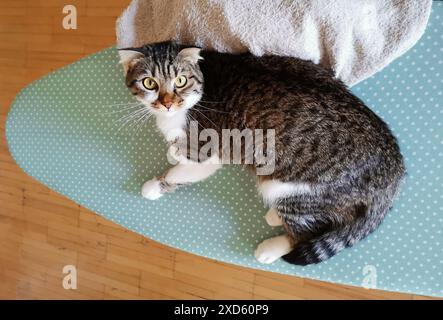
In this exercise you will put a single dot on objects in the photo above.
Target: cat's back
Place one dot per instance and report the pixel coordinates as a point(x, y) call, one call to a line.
point(287, 85)
point(272, 77)
point(311, 111)
point(246, 65)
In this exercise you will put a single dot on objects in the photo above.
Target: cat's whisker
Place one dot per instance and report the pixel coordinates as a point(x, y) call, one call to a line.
point(127, 119)
point(126, 108)
point(138, 110)
point(210, 109)
point(193, 119)
point(142, 121)
point(120, 104)
point(144, 116)
point(145, 121)
point(130, 116)
point(206, 117)
point(207, 101)
point(128, 123)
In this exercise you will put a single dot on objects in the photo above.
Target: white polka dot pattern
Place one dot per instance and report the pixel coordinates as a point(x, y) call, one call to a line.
point(62, 130)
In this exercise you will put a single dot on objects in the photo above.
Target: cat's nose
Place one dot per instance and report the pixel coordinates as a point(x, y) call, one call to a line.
point(166, 100)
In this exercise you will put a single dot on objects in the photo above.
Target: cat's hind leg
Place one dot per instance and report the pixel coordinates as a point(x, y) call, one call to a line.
point(274, 248)
point(273, 218)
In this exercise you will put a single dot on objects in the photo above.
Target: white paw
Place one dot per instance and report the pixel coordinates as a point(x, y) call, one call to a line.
point(151, 189)
point(174, 156)
point(273, 219)
point(272, 249)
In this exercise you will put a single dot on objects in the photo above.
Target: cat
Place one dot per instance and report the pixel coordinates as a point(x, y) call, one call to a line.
point(338, 167)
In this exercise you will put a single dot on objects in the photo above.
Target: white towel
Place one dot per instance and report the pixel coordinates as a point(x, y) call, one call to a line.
point(355, 38)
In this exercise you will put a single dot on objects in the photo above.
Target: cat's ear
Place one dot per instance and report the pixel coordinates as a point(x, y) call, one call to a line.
point(128, 57)
point(191, 55)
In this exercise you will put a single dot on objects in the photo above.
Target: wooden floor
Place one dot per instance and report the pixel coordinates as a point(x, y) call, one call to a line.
point(41, 231)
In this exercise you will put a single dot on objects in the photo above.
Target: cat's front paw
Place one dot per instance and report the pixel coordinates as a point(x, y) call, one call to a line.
point(174, 156)
point(152, 189)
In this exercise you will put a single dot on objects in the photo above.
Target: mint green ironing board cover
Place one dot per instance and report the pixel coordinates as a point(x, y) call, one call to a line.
point(63, 131)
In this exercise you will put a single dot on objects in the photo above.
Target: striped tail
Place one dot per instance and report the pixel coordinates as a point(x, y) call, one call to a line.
point(327, 245)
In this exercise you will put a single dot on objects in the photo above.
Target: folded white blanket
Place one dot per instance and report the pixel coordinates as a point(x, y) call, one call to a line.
point(355, 38)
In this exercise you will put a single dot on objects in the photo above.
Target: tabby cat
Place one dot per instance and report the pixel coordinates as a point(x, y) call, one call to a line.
point(338, 167)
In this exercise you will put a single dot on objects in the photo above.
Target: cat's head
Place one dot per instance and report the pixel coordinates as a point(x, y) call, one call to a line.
point(165, 76)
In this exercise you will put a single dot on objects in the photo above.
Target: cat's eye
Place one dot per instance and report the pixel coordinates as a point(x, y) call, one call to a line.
point(150, 83)
point(180, 81)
